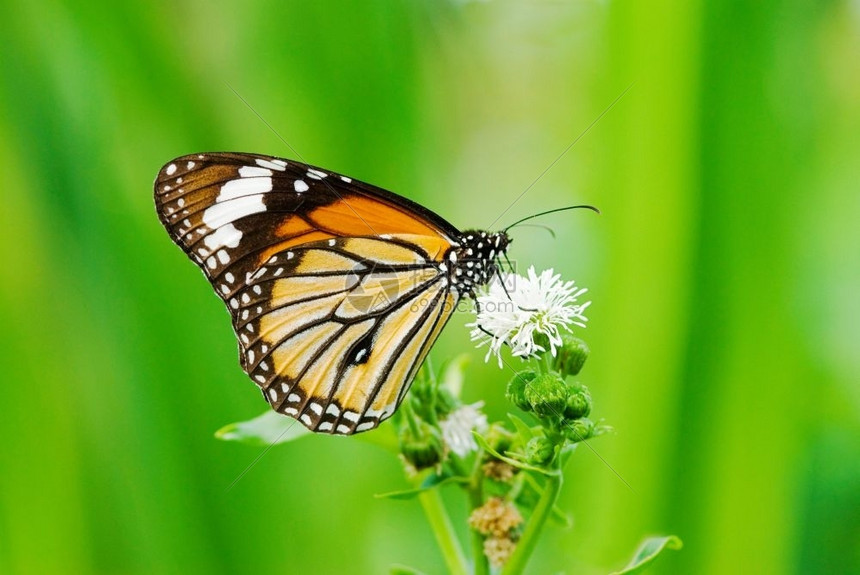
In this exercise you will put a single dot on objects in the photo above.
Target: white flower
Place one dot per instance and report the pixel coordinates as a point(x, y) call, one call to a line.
point(457, 428)
point(531, 306)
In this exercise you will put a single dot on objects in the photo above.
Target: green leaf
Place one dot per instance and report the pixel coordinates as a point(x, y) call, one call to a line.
point(452, 376)
point(271, 428)
point(648, 551)
point(522, 428)
point(432, 481)
point(510, 461)
point(404, 570)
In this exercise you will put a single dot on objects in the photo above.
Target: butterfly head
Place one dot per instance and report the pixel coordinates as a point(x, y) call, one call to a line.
point(474, 261)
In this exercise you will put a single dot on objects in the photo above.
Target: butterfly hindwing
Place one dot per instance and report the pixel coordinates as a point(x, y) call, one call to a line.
point(342, 334)
point(336, 288)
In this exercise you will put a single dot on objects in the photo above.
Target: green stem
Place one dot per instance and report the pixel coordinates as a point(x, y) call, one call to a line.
point(410, 419)
point(544, 363)
point(529, 539)
point(476, 499)
point(439, 521)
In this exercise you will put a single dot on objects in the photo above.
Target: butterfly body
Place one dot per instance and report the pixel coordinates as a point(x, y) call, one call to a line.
point(337, 289)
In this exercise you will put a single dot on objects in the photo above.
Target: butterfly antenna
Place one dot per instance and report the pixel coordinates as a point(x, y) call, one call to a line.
point(543, 226)
point(518, 222)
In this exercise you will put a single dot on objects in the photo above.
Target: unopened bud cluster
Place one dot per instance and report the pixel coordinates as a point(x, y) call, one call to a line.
point(551, 397)
point(421, 448)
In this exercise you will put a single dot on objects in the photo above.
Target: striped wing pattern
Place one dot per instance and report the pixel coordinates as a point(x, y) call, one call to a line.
point(337, 289)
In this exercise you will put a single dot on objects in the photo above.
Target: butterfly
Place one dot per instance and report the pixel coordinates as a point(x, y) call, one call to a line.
point(337, 289)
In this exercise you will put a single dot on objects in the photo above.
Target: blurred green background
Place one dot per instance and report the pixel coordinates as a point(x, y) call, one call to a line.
point(724, 270)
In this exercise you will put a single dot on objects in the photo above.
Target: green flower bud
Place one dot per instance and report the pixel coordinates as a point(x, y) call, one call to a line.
point(578, 403)
point(547, 395)
point(542, 341)
point(517, 387)
point(539, 450)
point(571, 355)
point(579, 430)
point(445, 402)
point(499, 438)
point(421, 451)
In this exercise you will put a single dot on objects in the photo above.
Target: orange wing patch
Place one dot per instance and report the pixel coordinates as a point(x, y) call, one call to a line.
point(357, 216)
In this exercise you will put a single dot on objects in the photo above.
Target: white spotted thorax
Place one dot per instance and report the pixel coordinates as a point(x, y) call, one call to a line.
point(522, 309)
point(472, 264)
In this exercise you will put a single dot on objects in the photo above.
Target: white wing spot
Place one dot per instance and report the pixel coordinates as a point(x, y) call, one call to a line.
point(291, 411)
point(251, 356)
point(225, 212)
point(245, 186)
point(260, 378)
point(365, 426)
point(332, 409)
point(223, 256)
point(180, 202)
point(229, 277)
point(316, 174)
point(350, 415)
point(225, 289)
point(211, 262)
point(294, 398)
point(325, 426)
point(244, 314)
point(171, 169)
point(279, 271)
point(332, 242)
point(273, 393)
point(253, 172)
point(264, 366)
point(246, 298)
point(306, 419)
point(345, 179)
point(301, 186)
point(316, 408)
point(257, 289)
point(234, 304)
point(272, 165)
point(190, 165)
point(290, 255)
point(342, 429)
point(284, 388)
point(264, 348)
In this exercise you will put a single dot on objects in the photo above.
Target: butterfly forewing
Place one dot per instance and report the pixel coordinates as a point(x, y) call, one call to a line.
point(336, 288)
